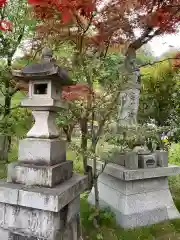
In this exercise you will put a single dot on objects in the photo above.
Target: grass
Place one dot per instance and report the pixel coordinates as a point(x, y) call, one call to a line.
point(108, 229)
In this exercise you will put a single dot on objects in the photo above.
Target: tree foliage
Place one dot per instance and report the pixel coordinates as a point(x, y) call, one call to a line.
point(159, 93)
point(109, 22)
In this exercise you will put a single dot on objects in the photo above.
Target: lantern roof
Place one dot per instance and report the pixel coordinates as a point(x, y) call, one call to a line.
point(46, 69)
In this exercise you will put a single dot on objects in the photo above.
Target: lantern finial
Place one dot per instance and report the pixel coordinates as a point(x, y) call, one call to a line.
point(47, 54)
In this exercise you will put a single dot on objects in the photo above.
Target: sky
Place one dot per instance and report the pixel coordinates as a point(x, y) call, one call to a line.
point(160, 45)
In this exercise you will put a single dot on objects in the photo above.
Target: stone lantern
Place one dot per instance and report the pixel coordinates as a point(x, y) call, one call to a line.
point(41, 198)
point(45, 82)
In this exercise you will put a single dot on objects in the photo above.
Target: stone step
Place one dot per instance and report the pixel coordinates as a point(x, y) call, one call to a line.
point(47, 199)
point(44, 176)
point(42, 151)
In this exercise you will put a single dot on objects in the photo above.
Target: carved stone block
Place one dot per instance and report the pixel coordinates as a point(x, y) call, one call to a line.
point(147, 161)
point(45, 176)
point(162, 158)
point(42, 151)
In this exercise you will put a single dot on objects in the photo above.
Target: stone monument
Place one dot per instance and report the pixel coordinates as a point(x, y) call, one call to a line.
point(41, 198)
point(135, 187)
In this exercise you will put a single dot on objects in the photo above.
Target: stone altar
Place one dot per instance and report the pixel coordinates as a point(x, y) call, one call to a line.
point(135, 187)
point(41, 198)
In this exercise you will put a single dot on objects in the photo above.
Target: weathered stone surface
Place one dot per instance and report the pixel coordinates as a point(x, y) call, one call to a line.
point(162, 158)
point(44, 104)
point(147, 161)
point(47, 199)
point(8, 235)
point(134, 187)
point(45, 176)
point(44, 89)
point(18, 223)
point(123, 173)
point(4, 234)
point(72, 230)
point(20, 237)
point(42, 151)
point(44, 126)
point(130, 99)
point(9, 192)
point(73, 209)
point(31, 222)
point(128, 159)
point(136, 204)
point(118, 158)
point(131, 160)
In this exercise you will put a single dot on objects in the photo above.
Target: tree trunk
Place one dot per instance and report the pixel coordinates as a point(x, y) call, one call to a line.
point(7, 107)
point(129, 97)
point(84, 146)
point(68, 131)
point(84, 141)
point(95, 178)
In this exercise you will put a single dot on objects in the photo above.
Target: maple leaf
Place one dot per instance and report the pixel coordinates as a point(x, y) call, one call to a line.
point(65, 7)
point(5, 25)
point(66, 16)
point(76, 92)
point(39, 2)
point(2, 3)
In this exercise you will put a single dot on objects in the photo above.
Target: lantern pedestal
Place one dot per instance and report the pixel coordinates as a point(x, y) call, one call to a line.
point(45, 126)
point(39, 151)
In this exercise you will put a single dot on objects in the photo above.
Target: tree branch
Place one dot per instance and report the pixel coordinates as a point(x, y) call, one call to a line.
point(146, 37)
point(160, 61)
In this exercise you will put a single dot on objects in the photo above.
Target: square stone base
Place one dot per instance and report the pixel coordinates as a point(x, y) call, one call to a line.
point(31, 222)
point(70, 232)
point(136, 203)
point(44, 176)
point(42, 151)
point(38, 213)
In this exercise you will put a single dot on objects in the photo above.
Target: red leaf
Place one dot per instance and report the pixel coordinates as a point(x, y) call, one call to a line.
point(76, 92)
point(67, 7)
point(66, 16)
point(2, 3)
point(5, 25)
point(39, 2)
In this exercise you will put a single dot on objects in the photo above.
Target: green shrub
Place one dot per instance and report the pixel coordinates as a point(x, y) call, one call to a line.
point(174, 154)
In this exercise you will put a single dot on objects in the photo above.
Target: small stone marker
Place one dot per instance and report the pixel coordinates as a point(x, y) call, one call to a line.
point(41, 198)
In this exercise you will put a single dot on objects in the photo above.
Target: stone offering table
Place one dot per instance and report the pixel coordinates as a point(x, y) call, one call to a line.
point(41, 198)
point(138, 195)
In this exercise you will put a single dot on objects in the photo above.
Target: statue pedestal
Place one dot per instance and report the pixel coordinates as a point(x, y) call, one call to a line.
point(137, 197)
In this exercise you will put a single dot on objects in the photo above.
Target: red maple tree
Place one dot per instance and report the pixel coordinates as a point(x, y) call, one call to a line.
point(115, 20)
point(110, 22)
